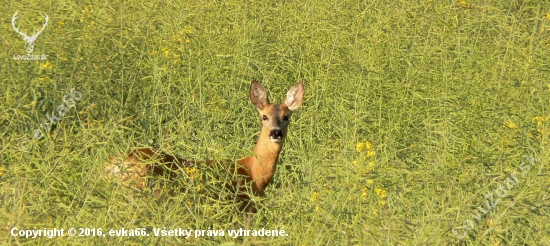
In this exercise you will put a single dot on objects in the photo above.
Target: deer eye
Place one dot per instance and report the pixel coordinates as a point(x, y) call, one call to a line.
point(265, 117)
point(286, 118)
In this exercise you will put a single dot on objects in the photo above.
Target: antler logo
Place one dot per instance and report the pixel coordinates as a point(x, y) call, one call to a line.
point(29, 45)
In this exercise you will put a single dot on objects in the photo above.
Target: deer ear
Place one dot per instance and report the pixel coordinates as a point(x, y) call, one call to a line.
point(295, 96)
point(258, 95)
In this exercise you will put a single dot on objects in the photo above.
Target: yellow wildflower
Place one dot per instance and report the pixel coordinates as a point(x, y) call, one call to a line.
point(510, 125)
point(186, 29)
point(381, 192)
point(540, 119)
point(314, 196)
point(382, 202)
point(363, 146)
point(355, 162)
point(464, 4)
point(46, 65)
point(370, 182)
point(317, 208)
point(166, 52)
point(359, 147)
point(371, 153)
point(371, 164)
point(368, 145)
point(364, 194)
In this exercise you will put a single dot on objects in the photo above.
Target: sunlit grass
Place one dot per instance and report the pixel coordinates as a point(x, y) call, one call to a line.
point(414, 110)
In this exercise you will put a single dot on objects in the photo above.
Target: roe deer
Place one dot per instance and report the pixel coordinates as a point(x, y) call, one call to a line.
point(255, 171)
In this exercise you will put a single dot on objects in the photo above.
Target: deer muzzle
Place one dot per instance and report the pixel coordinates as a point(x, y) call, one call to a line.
point(276, 135)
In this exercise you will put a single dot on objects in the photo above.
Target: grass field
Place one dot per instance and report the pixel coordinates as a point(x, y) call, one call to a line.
point(417, 116)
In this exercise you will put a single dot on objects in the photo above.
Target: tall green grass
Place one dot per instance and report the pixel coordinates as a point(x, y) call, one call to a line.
point(451, 95)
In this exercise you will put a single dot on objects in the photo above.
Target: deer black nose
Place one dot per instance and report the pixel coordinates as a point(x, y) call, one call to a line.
point(276, 134)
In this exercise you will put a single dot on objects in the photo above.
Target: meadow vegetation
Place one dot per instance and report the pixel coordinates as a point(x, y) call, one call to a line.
point(413, 112)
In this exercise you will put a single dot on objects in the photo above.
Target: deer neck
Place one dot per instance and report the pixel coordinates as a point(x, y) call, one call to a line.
point(263, 163)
